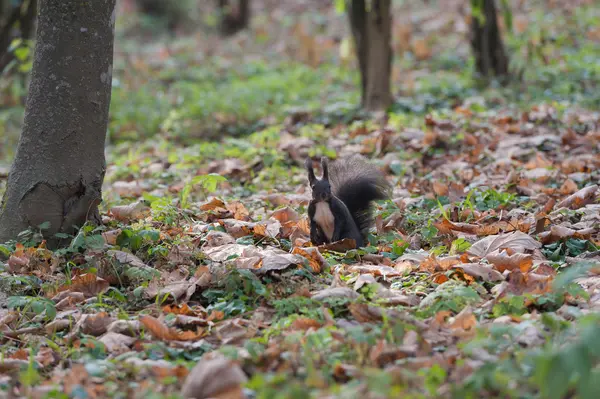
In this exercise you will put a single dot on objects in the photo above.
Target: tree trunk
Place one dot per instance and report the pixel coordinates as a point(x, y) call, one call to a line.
point(486, 42)
point(371, 30)
point(59, 166)
point(234, 19)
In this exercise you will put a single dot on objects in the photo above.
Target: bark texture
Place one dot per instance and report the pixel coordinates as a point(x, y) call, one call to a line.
point(59, 166)
point(371, 26)
point(486, 41)
point(234, 18)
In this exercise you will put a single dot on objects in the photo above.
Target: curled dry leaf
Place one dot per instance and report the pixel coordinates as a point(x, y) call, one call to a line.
point(344, 245)
point(375, 270)
point(56, 326)
point(480, 271)
point(238, 210)
point(316, 261)
point(581, 198)
point(336, 292)
point(161, 331)
point(96, 324)
point(516, 241)
point(110, 237)
point(126, 258)
point(117, 343)
point(128, 189)
point(126, 327)
point(558, 233)
point(507, 259)
point(215, 377)
point(89, 284)
point(286, 214)
point(215, 204)
point(135, 210)
point(216, 238)
point(69, 300)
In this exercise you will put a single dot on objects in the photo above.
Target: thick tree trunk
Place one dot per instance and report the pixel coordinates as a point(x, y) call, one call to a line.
point(486, 42)
point(371, 29)
point(234, 19)
point(59, 166)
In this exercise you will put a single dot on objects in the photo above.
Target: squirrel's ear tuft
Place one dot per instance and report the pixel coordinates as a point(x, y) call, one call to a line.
point(325, 168)
point(311, 173)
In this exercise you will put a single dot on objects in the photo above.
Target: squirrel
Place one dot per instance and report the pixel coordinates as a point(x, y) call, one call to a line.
point(341, 200)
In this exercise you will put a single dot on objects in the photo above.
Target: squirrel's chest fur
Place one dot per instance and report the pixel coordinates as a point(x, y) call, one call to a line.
point(324, 218)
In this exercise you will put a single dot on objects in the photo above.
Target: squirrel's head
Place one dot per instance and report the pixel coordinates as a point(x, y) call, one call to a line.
point(321, 190)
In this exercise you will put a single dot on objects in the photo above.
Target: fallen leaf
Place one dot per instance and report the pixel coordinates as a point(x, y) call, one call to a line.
point(480, 271)
point(238, 210)
point(162, 332)
point(581, 198)
point(215, 377)
point(516, 241)
point(503, 261)
point(135, 210)
point(316, 261)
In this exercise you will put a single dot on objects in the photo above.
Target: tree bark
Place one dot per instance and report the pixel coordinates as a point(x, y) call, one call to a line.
point(371, 29)
point(234, 19)
point(486, 41)
point(59, 166)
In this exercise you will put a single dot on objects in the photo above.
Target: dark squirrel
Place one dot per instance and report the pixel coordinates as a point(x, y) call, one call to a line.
point(341, 200)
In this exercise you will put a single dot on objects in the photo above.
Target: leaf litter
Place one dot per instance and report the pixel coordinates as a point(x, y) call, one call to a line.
point(202, 287)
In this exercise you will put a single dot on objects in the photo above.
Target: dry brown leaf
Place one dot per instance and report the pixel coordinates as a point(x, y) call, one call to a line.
point(335, 292)
point(375, 270)
point(286, 214)
point(516, 241)
point(238, 210)
point(215, 377)
point(339, 246)
point(110, 237)
point(182, 309)
point(316, 261)
point(305, 323)
point(117, 343)
point(503, 261)
point(558, 233)
point(69, 300)
point(434, 264)
point(135, 210)
point(214, 204)
point(581, 198)
point(162, 332)
point(481, 271)
point(96, 324)
point(568, 187)
point(128, 189)
point(89, 284)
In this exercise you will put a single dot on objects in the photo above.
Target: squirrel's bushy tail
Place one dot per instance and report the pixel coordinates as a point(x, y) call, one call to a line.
point(357, 183)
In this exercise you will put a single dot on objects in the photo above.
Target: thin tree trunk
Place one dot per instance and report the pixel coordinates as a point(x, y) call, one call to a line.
point(379, 25)
point(233, 19)
point(357, 13)
point(371, 29)
point(59, 166)
point(486, 41)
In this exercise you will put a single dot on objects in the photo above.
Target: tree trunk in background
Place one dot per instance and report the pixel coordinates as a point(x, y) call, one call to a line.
point(59, 166)
point(23, 16)
point(486, 41)
point(233, 19)
point(371, 30)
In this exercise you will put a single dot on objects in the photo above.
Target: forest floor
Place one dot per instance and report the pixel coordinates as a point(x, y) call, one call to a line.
point(481, 278)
